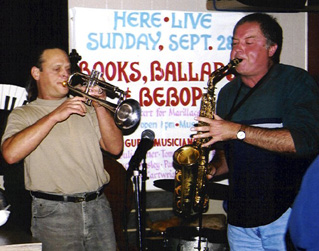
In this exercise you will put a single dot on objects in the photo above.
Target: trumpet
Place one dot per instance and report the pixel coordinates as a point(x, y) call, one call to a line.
point(127, 112)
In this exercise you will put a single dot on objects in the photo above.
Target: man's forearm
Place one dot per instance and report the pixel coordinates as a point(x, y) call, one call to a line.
point(20, 145)
point(276, 140)
point(112, 136)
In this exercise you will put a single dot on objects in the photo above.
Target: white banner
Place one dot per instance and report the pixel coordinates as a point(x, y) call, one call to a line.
point(163, 59)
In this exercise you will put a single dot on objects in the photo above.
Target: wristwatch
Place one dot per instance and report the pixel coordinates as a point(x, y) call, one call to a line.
point(241, 135)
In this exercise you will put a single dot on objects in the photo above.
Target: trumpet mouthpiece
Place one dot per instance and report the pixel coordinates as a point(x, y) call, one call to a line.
point(64, 83)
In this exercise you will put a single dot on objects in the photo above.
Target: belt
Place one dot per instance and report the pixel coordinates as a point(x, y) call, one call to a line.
point(85, 197)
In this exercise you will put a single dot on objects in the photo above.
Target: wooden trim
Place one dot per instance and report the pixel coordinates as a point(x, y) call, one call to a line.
point(313, 48)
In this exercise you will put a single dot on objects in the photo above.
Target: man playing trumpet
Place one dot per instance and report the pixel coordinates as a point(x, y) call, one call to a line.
point(60, 140)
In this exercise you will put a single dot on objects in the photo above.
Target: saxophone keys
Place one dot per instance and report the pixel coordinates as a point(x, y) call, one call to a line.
point(178, 175)
point(178, 190)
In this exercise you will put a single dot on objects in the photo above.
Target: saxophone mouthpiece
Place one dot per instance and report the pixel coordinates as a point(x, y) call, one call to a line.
point(236, 61)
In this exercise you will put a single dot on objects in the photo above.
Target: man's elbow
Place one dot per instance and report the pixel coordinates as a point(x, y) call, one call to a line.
point(9, 157)
point(116, 151)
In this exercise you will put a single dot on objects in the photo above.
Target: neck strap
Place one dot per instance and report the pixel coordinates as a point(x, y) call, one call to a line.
point(235, 106)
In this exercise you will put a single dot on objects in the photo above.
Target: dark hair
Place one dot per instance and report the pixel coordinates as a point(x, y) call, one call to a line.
point(269, 27)
point(31, 84)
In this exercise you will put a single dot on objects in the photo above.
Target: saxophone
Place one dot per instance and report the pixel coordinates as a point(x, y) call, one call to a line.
point(190, 161)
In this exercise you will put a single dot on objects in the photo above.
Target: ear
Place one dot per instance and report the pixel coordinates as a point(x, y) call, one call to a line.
point(35, 72)
point(272, 50)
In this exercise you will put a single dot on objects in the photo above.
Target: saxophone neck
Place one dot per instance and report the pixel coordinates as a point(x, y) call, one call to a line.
point(221, 72)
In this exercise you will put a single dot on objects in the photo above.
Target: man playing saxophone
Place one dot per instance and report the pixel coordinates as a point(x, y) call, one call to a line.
point(60, 140)
point(267, 126)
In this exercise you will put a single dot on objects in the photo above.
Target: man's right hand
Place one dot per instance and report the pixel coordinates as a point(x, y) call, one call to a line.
point(71, 106)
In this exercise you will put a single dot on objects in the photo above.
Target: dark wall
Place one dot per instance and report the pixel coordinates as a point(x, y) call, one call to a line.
point(26, 26)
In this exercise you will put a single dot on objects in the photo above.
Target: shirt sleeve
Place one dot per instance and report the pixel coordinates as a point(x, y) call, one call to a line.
point(16, 122)
point(301, 113)
point(303, 222)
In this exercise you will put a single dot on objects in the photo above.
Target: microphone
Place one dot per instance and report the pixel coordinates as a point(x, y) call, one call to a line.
point(145, 144)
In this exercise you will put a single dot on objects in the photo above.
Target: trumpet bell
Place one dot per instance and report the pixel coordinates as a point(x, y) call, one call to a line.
point(127, 114)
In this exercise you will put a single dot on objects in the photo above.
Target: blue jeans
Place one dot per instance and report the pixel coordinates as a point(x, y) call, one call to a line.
point(267, 237)
point(73, 226)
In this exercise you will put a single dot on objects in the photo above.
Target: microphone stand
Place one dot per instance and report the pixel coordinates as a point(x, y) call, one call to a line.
point(143, 197)
point(145, 144)
point(140, 205)
point(200, 219)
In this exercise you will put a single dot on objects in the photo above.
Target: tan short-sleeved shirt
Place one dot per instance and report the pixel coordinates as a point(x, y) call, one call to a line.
point(69, 160)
